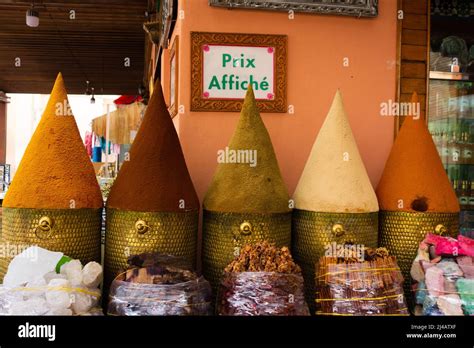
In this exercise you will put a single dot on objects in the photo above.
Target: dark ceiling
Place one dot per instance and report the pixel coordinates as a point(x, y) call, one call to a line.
point(93, 46)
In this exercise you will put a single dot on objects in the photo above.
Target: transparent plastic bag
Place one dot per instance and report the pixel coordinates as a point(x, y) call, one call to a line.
point(159, 284)
point(49, 300)
point(262, 294)
point(359, 288)
point(443, 277)
point(189, 298)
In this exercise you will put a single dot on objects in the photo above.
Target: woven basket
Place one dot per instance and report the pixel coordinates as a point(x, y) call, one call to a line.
point(223, 234)
point(74, 232)
point(314, 231)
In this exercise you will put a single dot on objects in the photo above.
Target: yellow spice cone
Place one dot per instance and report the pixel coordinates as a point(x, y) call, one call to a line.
point(334, 178)
point(54, 200)
point(335, 203)
point(55, 171)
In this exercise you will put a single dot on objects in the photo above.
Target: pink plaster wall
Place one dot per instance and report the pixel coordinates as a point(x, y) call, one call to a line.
point(317, 45)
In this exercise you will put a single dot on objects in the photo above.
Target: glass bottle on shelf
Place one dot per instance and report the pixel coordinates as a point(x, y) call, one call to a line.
point(462, 146)
point(467, 149)
point(454, 149)
point(463, 102)
point(463, 197)
point(452, 107)
point(436, 140)
point(457, 189)
point(444, 147)
point(471, 102)
point(471, 197)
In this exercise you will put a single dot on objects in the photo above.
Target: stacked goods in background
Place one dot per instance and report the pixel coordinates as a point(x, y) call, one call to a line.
point(443, 276)
point(246, 201)
point(152, 206)
point(415, 195)
point(262, 280)
point(54, 200)
point(334, 199)
point(158, 284)
point(360, 283)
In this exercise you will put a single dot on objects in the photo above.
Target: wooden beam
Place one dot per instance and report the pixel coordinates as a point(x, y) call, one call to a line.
point(91, 47)
point(414, 37)
point(413, 70)
point(413, 53)
point(411, 21)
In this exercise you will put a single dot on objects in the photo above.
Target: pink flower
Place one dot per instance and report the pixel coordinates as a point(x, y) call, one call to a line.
point(270, 49)
point(205, 94)
point(205, 48)
point(270, 96)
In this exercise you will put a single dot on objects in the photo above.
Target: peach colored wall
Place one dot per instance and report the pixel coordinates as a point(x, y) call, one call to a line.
point(317, 45)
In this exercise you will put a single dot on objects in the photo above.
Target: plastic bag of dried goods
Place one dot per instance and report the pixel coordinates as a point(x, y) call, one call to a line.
point(262, 293)
point(157, 284)
point(262, 280)
point(55, 297)
point(370, 284)
point(444, 285)
point(41, 282)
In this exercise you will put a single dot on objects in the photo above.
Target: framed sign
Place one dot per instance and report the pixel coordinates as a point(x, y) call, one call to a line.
point(173, 108)
point(358, 8)
point(224, 64)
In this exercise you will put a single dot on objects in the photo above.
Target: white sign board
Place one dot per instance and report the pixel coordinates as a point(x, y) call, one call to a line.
point(227, 71)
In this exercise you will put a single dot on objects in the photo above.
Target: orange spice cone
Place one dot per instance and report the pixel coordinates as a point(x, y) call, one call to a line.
point(335, 203)
point(415, 195)
point(54, 200)
point(247, 200)
point(152, 205)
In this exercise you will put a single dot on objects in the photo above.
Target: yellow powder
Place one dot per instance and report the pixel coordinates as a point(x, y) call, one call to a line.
point(334, 178)
point(55, 171)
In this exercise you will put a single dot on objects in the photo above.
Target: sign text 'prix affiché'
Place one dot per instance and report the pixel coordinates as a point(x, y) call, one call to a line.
point(228, 70)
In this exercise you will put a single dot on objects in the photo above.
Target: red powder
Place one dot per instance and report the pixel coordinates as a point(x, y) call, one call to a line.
point(156, 177)
point(414, 175)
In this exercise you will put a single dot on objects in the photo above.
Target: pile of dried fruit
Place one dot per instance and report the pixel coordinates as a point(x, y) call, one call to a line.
point(152, 268)
point(158, 284)
point(368, 282)
point(262, 280)
point(263, 257)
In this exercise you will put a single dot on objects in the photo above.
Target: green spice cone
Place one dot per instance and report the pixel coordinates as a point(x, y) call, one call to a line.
point(246, 202)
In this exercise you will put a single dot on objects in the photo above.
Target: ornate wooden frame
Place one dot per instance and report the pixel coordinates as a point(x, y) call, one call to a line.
point(279, 42)
point(364, 8)
point(174, 55)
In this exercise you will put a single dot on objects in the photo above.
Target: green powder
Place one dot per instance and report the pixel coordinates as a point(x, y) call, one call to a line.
point(248, 187)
